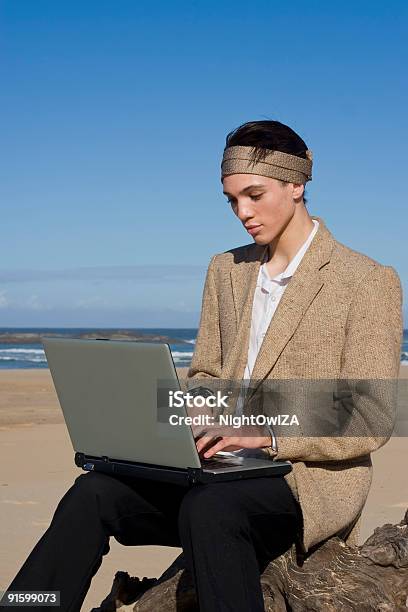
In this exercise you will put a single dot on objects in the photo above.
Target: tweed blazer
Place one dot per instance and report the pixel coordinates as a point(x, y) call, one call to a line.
point(339, 317)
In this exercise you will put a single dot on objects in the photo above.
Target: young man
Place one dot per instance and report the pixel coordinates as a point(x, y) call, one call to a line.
point(294, 304)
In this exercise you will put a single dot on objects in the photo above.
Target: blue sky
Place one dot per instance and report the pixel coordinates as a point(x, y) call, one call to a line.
point(114, 121)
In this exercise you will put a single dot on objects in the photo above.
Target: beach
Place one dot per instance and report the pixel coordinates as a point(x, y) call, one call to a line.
point(36, 469)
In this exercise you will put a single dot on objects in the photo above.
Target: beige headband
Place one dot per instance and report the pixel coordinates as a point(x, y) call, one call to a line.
point(282, 166)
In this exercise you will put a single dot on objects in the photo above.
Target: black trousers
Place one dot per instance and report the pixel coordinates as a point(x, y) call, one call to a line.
point(228, 531)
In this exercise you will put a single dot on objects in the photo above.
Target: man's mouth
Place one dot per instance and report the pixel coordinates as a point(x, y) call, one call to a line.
point(253, 228)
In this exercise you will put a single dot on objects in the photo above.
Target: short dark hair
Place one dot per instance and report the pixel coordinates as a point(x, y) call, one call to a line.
point(268, 134)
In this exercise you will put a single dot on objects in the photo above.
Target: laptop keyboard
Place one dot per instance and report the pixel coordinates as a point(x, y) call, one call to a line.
point(216, 463)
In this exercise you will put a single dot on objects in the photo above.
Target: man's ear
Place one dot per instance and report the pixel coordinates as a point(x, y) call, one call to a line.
point(298, 191)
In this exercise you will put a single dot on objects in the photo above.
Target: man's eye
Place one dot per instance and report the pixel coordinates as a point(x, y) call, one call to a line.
point(253, 197)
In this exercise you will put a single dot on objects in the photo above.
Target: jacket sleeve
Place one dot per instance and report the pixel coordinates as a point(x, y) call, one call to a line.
point(370, 368)
point(207, 358)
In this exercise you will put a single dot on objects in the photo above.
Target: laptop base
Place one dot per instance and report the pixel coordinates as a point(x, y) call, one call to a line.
point(186, 477)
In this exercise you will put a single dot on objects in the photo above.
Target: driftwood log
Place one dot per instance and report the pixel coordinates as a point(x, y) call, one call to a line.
point(367, 578)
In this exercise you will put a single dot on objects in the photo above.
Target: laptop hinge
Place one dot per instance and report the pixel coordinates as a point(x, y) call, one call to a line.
point(79, 459)
point(193, 475)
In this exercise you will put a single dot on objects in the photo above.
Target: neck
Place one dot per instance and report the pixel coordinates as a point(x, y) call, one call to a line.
point(284, 247)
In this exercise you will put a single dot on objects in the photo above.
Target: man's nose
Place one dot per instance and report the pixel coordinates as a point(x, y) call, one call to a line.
point(243, 211)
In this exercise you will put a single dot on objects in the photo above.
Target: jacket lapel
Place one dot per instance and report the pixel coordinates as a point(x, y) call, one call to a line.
point(243, 276)
point(301, 290)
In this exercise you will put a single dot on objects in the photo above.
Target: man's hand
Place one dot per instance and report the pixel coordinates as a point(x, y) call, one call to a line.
point(214, 440)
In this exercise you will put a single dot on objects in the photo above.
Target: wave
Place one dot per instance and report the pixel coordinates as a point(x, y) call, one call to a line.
point(19, 359)
point(192, 341)
point(181, 358)
point(22, 350)
point(22, 355)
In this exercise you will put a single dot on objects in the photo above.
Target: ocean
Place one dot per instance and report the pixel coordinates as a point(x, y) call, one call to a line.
point(31, 355)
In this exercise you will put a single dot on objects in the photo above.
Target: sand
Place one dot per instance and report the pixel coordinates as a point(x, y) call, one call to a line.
point(32, 430)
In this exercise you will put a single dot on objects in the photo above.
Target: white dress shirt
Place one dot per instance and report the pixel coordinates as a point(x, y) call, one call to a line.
point(268, 293)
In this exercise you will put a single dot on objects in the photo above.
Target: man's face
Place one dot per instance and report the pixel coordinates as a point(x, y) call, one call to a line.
point(263, 205)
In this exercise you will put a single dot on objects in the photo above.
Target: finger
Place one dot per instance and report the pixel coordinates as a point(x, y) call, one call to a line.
point(205, 441)
point(201, 439)
point(220, 445)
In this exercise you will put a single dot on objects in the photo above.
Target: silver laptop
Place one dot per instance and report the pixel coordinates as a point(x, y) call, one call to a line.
point(108, 392)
